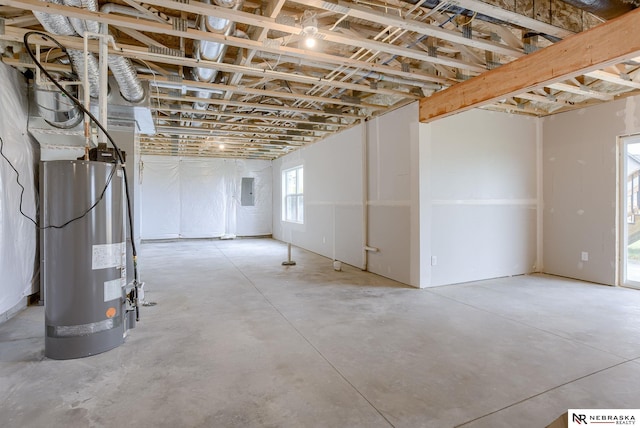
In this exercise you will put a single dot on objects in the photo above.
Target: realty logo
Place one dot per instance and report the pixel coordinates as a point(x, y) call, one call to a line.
point(582, 417)
point(579, 418)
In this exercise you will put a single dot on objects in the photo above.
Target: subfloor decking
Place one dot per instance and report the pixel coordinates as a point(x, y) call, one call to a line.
point(238, 340)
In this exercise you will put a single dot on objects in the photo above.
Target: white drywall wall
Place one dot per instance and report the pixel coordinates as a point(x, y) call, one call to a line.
point(478, 197)
point(332, 197)
point(333, 189)
point(394, 221)
point(200, 197)
point(17, 234)
point(580, 188)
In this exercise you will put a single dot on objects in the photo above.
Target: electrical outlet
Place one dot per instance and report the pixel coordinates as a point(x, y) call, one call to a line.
point(585, 256)
point(434, 260)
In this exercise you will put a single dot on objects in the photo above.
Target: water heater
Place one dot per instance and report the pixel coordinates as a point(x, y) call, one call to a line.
point(83, 257)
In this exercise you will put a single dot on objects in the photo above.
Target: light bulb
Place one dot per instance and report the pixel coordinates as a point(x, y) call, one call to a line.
point(221, 146)
point(310, 42)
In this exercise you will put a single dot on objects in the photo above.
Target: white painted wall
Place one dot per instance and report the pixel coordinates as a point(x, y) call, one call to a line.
point(478, 180)
point(580, 188)
point(200, 198)
point(332, 197)
point(17, 234)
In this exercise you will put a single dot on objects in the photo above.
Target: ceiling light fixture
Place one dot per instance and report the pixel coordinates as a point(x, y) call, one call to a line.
point(221, 146)
point(309, 23)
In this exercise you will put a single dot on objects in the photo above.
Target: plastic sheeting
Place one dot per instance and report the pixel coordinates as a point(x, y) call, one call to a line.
point(200, 198)
point(18, 236)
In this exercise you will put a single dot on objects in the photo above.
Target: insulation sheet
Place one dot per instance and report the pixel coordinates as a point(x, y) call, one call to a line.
point(18, 236)
point(200, 198)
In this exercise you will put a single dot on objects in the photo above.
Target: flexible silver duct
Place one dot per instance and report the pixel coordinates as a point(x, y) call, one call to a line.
point(77, 59)
point(212, 51)
point(81, 25)
point(55, 24)
point(60, 25)
point(128, 81)
point(121, 67)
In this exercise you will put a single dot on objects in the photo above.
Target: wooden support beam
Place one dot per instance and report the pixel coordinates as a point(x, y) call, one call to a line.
point(609, 43)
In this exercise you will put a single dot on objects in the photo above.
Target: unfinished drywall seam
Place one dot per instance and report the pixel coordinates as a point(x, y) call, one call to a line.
point(540, 199)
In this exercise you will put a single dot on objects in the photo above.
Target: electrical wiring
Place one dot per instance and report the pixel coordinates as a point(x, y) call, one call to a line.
point(17, 181)
point(107, 135)
point(52, 226)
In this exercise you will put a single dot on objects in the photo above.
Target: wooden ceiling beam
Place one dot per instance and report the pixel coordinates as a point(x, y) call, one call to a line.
point(609, 43)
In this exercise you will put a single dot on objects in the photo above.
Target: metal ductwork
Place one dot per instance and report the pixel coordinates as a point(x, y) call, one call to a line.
point(212, 51)
point(81, 25)
point(606, 9)
point(123, 71)
point(56, 109)
point(55, 24)
point(130, 86)
point(128, 81)
point(61, 25)
point(78, 59)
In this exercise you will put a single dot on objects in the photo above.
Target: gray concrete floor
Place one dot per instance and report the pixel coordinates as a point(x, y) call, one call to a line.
point(237, 340)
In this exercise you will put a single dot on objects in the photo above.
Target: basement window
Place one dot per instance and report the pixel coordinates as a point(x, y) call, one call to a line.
point(292, 195)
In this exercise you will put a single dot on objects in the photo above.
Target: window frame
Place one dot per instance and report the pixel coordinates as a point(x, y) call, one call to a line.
point(292, 202)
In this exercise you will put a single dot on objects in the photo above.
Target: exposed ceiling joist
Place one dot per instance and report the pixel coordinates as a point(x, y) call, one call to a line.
point(270, 119)
point(367, 13)
point(372, 56)
point(160, 28)
point(512, 17)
